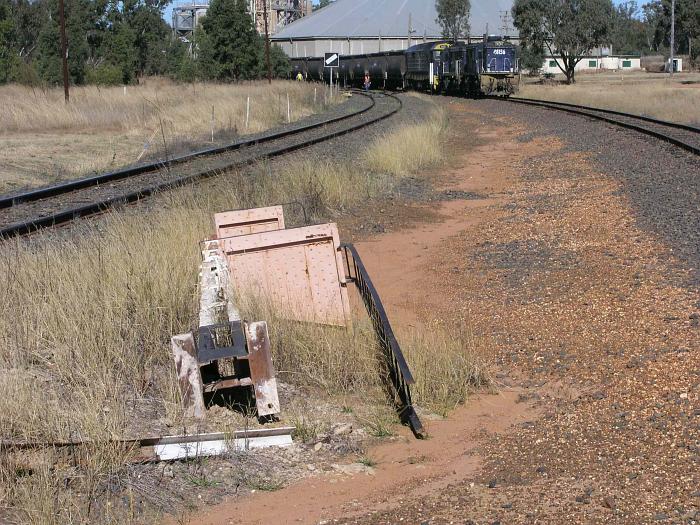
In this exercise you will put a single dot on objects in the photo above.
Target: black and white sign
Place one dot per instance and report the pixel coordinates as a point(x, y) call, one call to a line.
point(332, 60)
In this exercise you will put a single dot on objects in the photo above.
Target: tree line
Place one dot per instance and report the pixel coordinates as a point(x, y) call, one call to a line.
point(119, 41)
point(571, 28)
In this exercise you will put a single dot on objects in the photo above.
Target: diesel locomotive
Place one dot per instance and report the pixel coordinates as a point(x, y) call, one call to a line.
point(488, 67)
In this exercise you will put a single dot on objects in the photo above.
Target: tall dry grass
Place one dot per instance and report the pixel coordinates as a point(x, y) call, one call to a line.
point(86, 323)
point(185, 108)
point(410, 149)
point(659, 99)
point(447, 366)
point(45, 140)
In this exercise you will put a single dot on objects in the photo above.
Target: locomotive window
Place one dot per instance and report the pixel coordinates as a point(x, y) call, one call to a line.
point(592, 63)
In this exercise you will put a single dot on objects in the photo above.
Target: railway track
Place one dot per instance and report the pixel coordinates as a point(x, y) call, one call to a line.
point(24, 213)
point(681, 135)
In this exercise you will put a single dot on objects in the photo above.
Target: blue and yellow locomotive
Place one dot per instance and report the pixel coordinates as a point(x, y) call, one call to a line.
point(488, 67)
point(485, 68)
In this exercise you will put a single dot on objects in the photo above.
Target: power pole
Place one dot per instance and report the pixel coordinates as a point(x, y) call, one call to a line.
point(64, 49)
point(267, 44)
point(673, 31)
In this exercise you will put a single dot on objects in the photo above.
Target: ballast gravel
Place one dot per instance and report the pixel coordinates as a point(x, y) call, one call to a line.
point(586, 280)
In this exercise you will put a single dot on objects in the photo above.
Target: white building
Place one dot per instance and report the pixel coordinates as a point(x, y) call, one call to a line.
point(596, 63)
point(677, 65)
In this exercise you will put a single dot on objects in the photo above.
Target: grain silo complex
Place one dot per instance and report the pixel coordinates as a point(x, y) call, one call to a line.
point(352, 27)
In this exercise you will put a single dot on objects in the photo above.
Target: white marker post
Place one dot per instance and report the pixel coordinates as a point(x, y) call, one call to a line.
point(247, 112)
point(332, 61)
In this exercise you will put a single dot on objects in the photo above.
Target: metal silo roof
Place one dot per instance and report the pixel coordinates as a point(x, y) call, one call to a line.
point(389, 18)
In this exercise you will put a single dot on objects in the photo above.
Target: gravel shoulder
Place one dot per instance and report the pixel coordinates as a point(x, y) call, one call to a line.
point(583, 276)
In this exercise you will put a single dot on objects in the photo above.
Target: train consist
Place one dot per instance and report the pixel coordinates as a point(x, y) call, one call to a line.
point(489, 67)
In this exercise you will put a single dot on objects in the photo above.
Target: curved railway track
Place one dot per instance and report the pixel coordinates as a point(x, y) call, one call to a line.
point(24, 213)
point(681, 135)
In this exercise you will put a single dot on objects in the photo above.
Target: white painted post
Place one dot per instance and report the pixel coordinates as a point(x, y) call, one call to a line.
point(212, 123)
point(315, 88)
point(125, 90)
point(289, 110)
point(247, 112)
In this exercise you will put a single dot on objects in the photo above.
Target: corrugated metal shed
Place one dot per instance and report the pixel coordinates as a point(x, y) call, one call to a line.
point(390, 18)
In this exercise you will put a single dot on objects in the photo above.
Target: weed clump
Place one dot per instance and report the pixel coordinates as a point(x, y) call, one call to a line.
point(410, 149)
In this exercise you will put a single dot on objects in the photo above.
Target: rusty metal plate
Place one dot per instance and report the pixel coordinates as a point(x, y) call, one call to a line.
point(262, 371)
point(188, 375)
point(300, 271)
point(244, 222)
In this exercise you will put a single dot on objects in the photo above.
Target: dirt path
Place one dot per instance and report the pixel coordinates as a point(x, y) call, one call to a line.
point(400, 265)
point(580, 301)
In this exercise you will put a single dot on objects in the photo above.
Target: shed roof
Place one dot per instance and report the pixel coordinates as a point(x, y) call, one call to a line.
point(389, 18)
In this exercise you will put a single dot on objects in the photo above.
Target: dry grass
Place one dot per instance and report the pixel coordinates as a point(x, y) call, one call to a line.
point(103, 128)
point(657, 97)
point(343, 362)
point(412, 148)
point(86, 322)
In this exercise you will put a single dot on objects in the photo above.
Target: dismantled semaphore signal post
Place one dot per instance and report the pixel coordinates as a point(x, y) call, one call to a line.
point(227, 352)
point(303, 274)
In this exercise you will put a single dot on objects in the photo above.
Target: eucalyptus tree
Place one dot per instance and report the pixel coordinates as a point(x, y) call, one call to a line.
point(453, 17)
point(568, 29)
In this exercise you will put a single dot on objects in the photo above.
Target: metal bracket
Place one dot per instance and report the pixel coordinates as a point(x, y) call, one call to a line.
point(207, 348)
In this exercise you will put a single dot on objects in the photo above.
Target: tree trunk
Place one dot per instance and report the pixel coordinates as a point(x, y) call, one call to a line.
point(570, 74)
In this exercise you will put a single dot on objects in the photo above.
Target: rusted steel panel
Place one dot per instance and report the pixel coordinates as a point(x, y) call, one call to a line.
point(300, 271)
point(188, 375)
point(262, 371)
point(244, 222)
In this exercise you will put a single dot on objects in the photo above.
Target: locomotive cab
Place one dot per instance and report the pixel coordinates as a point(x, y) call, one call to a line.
point(498, 66)
point(424, 66)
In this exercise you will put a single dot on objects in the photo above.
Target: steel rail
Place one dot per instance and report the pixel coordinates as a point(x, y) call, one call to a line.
point(65, 216)
point(7, 201)
point(602, 114)
point(653, 120)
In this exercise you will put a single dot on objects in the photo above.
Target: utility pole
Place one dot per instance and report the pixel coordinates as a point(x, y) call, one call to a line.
point(64, 49)
point(267, 44)
point(673, 32)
